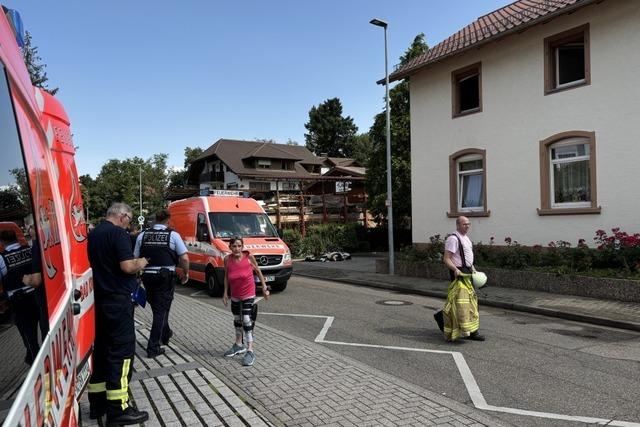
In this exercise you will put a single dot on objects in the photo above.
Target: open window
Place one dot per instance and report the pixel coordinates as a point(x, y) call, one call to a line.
point(202, 232)
point(568, 174)
point(567, 60)
point(467, 183)
point(466, 90)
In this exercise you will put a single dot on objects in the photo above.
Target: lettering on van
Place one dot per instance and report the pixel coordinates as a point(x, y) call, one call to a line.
point(76, 211)
point(50, 234)
point(264, 246)
point(47, 396)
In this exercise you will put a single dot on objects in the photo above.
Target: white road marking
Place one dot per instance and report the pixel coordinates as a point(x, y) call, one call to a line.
point(197, 294)
point(467, 377)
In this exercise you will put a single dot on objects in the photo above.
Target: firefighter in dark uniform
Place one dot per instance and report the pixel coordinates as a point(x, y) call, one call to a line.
point(15, 265)
point(165, 250)
point(114, 277)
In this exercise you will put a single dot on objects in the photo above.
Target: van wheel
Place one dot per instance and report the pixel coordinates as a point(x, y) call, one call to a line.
point(213, 287)
point(279, 286)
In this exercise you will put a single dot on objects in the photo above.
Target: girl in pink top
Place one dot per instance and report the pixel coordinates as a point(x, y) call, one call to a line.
point(239, 268)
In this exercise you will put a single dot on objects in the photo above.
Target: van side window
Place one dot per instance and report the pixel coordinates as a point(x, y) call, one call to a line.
point(24, 318)
point(202, 232)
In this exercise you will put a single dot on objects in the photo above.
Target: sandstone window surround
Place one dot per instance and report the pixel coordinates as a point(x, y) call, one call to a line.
point(468, 183)
point(568, 174)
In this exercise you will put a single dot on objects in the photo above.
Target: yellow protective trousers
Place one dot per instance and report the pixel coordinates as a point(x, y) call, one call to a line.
point(461, 317)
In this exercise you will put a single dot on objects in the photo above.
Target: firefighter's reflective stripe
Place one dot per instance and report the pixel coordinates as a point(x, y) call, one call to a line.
point(122, 394)
point(97, 387)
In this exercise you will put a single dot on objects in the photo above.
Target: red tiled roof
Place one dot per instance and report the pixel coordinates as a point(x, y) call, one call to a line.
point(507, 20)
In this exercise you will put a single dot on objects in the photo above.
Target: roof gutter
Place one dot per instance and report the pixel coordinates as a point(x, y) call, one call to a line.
point(399, 75)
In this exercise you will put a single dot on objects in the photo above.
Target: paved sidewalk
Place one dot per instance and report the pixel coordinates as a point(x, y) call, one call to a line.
point(301, 383)
point(177, 390)
point(361, 271)
point(293, 382)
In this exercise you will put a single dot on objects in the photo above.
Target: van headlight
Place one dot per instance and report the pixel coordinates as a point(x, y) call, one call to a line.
point(286, 257)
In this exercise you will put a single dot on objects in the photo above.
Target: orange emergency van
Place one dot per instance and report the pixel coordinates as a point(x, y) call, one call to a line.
point(40, 197)
point(206, 225)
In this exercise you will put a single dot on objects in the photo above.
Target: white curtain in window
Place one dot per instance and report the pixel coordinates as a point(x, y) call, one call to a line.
point(472, 191)
point(571, 182)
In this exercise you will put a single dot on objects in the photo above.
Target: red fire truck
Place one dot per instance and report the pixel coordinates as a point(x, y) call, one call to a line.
point(40, 202)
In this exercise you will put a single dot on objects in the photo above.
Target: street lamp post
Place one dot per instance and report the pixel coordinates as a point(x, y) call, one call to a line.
point(383, 24)
point(140, 169)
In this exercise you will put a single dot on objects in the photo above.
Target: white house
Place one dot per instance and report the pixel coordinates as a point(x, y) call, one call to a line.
point(525, 121)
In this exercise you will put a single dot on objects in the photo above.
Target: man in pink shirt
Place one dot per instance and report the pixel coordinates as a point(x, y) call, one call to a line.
point(453, 254)
point(461, 311)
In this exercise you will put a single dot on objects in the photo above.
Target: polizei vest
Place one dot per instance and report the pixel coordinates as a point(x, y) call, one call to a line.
point(156, 245)
point(18, 262)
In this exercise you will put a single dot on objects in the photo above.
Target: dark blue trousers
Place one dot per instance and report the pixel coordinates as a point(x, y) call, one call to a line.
point(160, 288)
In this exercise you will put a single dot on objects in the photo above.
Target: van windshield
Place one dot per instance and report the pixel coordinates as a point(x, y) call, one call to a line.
point(227, 225)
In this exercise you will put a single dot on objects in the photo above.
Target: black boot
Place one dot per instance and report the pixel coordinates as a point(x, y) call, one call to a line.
point(127, 417)
point(97, 404)
point(476, 336)
point(155, 353)
point(96, 412)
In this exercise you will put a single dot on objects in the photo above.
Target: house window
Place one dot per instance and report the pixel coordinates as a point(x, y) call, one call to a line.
point(259, 185)
point(343, 186)
point(566, 60)
point(289, 185)
point(468, 183)
point(287, 166)
point(466, 90)
point(568, 174)
point(263, 164)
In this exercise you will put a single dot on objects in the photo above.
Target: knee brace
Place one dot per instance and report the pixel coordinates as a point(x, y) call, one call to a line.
point(247, 323)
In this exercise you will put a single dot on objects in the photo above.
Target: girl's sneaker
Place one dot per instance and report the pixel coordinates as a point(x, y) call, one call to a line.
point(234, 350)
point(248, 358)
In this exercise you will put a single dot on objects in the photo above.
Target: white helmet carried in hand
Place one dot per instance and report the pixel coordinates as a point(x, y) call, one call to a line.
point(479, 279)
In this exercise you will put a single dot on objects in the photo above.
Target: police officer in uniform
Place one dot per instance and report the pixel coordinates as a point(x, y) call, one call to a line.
point(114, 276)
point(16, 264)
point(165, 250)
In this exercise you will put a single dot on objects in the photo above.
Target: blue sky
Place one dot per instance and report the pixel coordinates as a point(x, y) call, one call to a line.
point(153, 76)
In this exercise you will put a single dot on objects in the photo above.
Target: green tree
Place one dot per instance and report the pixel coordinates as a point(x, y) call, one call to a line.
point(21, 186)
point(362, 148)
point(87, 185)
point(10, 204)
point(178, 178)
point(34, 65)
point(119, 181)
point(400, 150)
point(329, 132)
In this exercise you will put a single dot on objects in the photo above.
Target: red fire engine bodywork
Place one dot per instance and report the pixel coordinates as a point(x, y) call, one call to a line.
point(54, 382)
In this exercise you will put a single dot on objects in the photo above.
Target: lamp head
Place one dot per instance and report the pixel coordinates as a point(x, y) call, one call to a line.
point(378, 22)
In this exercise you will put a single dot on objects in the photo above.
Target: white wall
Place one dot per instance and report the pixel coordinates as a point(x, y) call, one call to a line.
point(516, 116)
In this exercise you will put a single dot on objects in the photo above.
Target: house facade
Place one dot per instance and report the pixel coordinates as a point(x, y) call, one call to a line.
point(525, 121)
point(253, 166)
point(292, 183)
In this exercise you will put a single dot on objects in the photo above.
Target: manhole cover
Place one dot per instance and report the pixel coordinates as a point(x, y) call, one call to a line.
point(393, 302)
